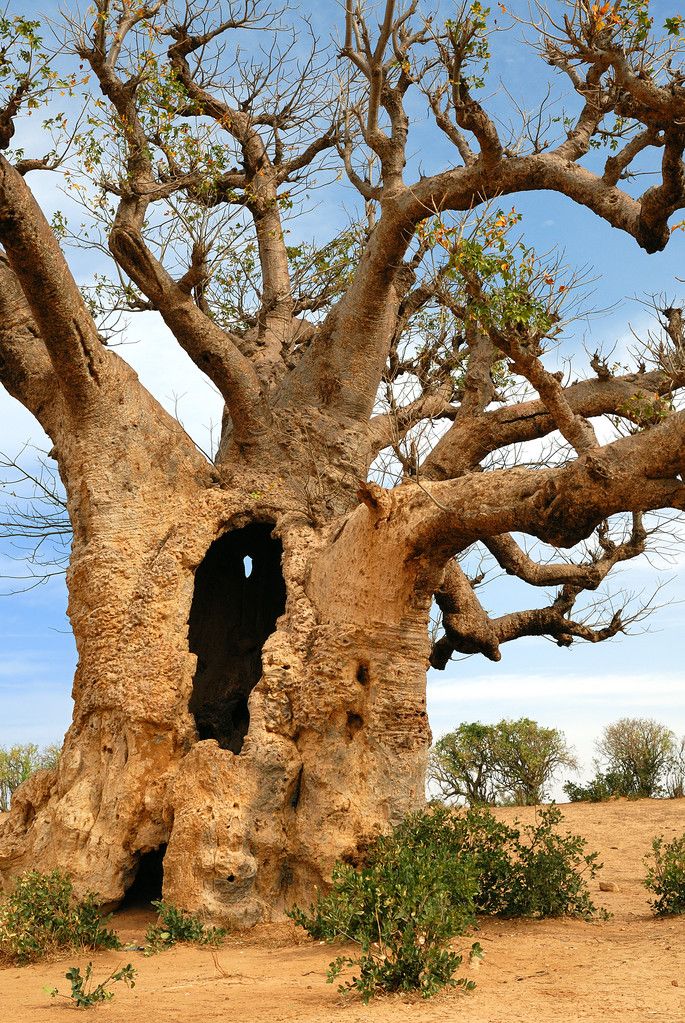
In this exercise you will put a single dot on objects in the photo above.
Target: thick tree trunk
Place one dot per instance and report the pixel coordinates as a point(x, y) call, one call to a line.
point(249, 701)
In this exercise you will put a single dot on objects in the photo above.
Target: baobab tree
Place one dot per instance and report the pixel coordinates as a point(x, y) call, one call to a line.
point(253, 629)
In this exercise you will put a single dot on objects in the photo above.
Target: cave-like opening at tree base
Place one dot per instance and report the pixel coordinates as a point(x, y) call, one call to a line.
point(147, 883)
point(239, 595)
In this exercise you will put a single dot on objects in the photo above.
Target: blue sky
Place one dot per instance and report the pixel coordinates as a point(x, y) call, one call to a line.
point(580, 689)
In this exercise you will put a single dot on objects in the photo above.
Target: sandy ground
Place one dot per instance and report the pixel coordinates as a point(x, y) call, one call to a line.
point(630, 968)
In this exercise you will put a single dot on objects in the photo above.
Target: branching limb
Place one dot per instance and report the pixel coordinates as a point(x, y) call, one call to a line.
point(211, 348)
point(384, 64)
point(469, 629)
point(56, 305)
point(25, 367)
point(388, 429)
point(514, 560)
point(463, 447)
point(455, 47)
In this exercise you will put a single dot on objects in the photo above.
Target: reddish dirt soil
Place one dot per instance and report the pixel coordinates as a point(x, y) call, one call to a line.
point(629, 968)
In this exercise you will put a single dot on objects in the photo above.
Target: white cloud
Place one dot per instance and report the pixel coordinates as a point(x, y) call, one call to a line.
point(564, 689)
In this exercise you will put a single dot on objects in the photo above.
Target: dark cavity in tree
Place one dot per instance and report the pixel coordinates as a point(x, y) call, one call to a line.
point(239, 595)
point(147, 882)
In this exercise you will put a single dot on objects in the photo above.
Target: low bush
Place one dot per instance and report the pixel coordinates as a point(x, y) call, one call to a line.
point(402, 908)
point(41, 916)
point(531, 871)
point(549, 871)
point(423, 885)
point(604, 786)
point(176, 925)
point(666, 875)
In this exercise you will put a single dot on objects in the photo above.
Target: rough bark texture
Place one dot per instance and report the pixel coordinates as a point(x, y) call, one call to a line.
point(337, 727)
point(253, 632)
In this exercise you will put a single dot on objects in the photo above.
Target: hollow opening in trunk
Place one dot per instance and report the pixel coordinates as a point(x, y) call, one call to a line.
point(147, 884)
point(239, 595)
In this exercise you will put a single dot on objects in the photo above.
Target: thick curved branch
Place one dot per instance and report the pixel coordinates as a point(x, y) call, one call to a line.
point(355, 341)
point(25, 367)
point(212, 349)
point(560, 505)
point(468, 441)
point(645, 219)
point(55, 302)
point(469, 629)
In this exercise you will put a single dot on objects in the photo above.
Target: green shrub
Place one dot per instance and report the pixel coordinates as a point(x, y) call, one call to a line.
point(83, 995)
point(666, 875)
point(177, 925)
point(550, 871)
point(534, 871)
point(604, 786)
point(401, 909)
point(422, 885)
point(41, 917)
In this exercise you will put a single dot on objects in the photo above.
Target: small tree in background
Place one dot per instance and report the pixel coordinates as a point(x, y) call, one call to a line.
point(460, 765)
point(510, 762)
point(641, 750)
point(17, 763)
point(528, 756)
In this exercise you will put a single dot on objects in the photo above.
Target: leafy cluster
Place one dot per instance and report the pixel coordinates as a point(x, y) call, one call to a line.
point(177, 925)
point(603, 786)
point(83, 995)
point(666, 876)
point(424, 884)
point(41, 916)
point(469, 36)
point(643, 411)
point(507, 762)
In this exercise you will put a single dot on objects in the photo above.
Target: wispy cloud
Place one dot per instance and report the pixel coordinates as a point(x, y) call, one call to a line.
point(561, 689)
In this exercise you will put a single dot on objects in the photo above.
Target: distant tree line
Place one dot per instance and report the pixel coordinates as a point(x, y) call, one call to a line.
point(515, 763)
point(508, 763)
